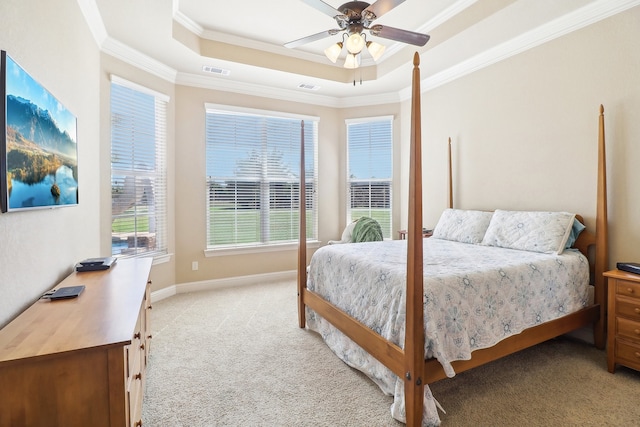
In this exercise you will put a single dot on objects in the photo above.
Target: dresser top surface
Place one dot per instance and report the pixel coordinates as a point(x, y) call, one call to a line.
point(619, 274)
point(104, 314)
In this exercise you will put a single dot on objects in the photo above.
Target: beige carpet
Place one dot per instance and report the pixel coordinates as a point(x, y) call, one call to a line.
point(236, 357)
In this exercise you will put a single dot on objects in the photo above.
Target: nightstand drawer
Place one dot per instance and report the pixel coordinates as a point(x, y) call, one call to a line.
point(628, 328)
point(629, 308)
point(628, 352)
point(628, 288)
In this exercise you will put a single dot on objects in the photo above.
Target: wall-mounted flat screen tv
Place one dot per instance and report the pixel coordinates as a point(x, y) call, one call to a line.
point(38, 147)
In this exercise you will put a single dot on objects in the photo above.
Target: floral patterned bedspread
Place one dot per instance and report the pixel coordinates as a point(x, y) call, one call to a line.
point(474, 296)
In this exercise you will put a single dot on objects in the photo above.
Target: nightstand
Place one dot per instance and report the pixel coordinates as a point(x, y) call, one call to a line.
point(623, 325)
point(425, 233)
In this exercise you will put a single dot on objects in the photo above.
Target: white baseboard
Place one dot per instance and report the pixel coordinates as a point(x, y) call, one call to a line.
point(206, 285)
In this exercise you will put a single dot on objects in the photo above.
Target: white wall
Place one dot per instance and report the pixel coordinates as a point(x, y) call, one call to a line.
point(51, 41)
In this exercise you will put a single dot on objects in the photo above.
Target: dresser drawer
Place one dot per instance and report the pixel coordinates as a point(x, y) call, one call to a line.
point(629, 308)
point(629, 353)
point(628, 328)
point(628, 288)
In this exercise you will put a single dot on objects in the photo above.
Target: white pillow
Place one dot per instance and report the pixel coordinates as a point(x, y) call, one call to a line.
point(465, 226)
point(346, 234)
point(545, 232)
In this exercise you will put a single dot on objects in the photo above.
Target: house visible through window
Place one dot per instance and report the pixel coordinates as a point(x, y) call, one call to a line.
point(138, 170)
point(370, 160)
point(253, 175)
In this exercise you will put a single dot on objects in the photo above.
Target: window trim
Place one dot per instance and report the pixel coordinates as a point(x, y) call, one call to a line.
point(159, 255)
point(361, 120)
point(231, 109)
point(235, 249)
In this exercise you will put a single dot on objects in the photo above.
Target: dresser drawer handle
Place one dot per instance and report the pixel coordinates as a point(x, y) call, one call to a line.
point(136, 336)
point(636, 331)
point(637, 354)
point(636, 310)
point(137, 376)
point(630, 290)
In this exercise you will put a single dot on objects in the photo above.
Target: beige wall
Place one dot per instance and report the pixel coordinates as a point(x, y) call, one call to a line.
point(524, 131)
point(38, 248)
point(191, 186)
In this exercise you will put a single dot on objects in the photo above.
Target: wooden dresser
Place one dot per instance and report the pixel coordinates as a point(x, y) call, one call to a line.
point(623, 329)
point(81, 361)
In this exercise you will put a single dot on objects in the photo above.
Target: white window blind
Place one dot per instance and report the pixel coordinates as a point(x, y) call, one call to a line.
point(253, 170)
point(370, 172)
point(138, 170)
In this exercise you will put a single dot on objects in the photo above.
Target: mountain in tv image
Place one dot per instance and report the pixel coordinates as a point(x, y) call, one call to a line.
point(41, 159)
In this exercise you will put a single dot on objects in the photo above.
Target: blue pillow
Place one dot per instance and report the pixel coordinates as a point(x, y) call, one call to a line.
point(576, 229)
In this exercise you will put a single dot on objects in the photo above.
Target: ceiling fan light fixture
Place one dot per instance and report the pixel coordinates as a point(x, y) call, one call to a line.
point(333, 51)
point(355, 43)
point(352, 61)
point(375, 50)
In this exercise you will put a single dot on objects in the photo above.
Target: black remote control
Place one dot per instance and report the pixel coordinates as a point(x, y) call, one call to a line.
point(629, 267)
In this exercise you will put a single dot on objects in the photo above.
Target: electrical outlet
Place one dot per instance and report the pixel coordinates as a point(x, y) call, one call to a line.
point(194, 265)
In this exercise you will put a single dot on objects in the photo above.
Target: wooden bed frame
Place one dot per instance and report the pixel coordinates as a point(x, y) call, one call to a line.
point(409, 363)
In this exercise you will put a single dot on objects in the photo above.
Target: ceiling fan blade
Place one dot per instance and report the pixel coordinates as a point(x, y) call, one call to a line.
point(381, 7)
point(323, 7)
point(399, 35)
point(312, 38)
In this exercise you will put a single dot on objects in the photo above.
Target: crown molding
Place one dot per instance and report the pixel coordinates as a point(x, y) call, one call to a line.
point(186, 22)
point(222, 84)
point(138, 59)
point(559, 27)
point(119, 50)
point(93, 18)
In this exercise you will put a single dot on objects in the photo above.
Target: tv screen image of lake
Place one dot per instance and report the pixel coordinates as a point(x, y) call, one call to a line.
point(41, 150)
point(40, 194)
point(41, 156)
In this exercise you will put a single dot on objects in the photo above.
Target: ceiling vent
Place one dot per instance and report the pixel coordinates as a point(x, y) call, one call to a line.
point(215, 70)
point(308, 86)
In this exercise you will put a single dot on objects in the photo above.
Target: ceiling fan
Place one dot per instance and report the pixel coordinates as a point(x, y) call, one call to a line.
point(353, 18)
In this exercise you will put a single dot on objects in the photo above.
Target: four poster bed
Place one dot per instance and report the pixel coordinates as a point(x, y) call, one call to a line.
point(411, 312)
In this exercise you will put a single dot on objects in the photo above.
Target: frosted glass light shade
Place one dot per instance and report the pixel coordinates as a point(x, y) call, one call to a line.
point(355, 43)
point(375, 49)
point(352, 61)
point(333, 51)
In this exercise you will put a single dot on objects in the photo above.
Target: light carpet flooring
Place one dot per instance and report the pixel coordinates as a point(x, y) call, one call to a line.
point(236, 357)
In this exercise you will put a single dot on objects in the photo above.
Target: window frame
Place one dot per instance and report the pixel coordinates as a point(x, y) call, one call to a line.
point(387, 230)
point(158, 174)
point(311, 175)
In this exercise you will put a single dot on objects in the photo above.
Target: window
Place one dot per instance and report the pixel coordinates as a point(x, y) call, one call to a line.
point(138, 170)
point(253, 169)
point(369, 153)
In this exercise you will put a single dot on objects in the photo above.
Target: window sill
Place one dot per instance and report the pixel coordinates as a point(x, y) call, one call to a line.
point(161, 259)
point(157, 258)
point(312, 244)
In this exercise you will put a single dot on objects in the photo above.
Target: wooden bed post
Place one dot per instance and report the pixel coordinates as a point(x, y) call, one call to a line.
point(602, 240)
point(302, 235)
point(450, 177)
point(414, 334)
